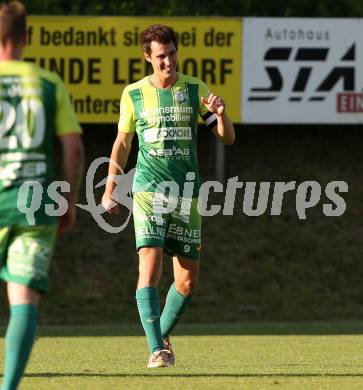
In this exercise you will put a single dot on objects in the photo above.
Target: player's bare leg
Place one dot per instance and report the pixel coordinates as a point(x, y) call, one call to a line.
point(186, 272)
point(19, 294)
point(150, 267)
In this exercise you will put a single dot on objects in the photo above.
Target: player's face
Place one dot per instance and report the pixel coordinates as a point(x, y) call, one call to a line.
point(163, 58)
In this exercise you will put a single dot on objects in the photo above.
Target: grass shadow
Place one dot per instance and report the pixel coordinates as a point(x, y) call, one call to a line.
point(233, 329)
point(176, 375)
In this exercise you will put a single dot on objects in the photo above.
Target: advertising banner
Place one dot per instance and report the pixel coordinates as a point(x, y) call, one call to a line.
point(302, 70)
point(98, 56)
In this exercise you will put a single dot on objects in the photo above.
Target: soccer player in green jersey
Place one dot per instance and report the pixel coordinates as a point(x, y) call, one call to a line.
point(34, 109)
point(163, 110)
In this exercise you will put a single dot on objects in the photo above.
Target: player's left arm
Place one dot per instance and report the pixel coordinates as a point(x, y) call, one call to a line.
point(223, 129)
point(73, 166)
point(69, 133)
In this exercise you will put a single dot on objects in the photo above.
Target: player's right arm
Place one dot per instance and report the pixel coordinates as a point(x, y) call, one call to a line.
point(119, 155)
point(120, 150)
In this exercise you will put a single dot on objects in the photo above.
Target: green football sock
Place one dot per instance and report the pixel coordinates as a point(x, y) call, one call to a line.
point(149, 310)
point(19, 341)
point(174, 308)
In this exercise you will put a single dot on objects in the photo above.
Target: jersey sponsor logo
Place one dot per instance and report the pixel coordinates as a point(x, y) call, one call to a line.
point(156, 218)
point(152, 218)
point(14, 171)
point(151, 231)
point(21, 156)
point(164, 115)
point(13, 86)
point(179, 96)
point(179, 233)
point(168, 133)
point(30, 247)
point(171, 152)
point(30, 257)
point(159, 111)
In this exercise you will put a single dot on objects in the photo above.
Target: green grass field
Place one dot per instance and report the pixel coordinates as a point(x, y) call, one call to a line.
point(232, 356)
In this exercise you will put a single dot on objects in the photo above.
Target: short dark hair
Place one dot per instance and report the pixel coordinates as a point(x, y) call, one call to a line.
point(12, 22)
point(159, 33)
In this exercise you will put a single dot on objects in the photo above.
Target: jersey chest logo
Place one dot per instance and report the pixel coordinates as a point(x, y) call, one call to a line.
point(179, 97)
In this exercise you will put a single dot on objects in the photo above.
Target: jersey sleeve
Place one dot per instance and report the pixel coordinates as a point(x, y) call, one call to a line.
point(209, 118)
point(126, 123)
point(66, 121)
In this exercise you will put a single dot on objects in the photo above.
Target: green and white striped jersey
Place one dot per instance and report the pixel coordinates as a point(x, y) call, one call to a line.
point(166, 122)
point(34, 108)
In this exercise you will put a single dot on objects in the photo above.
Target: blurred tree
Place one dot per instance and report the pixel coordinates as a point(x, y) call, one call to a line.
point(308, 8)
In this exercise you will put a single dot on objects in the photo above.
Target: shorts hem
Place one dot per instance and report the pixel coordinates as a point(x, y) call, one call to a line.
point(186, 256)
point(149, 243)
point(25, 282)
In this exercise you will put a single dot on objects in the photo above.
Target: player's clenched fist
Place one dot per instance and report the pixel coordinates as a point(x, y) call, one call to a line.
point(110, 205)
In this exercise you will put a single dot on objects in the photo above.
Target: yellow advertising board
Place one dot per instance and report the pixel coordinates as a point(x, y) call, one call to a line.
point(98, 56)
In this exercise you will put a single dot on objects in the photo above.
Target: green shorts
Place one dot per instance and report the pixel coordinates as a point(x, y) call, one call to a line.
point(26, 253)
point(177, 231)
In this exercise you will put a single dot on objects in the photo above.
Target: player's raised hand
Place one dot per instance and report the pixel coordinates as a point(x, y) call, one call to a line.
point(214, 103)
